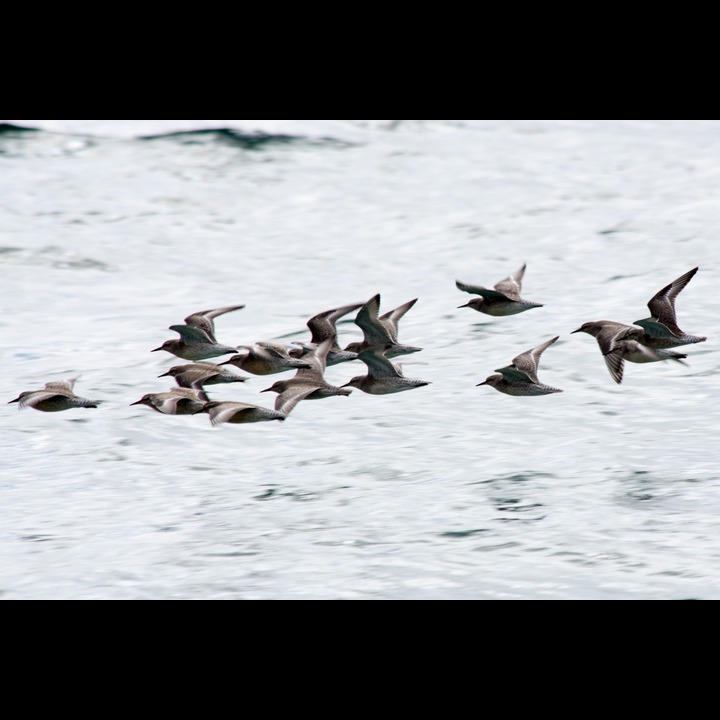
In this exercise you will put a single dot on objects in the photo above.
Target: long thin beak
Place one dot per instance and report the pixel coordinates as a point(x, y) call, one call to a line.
point(482, 383)
point(139, 402)
point(156, 349)
point(164, 374)
point(465, 305)
point(17, 399)
point(574, 331)
point(266, 390)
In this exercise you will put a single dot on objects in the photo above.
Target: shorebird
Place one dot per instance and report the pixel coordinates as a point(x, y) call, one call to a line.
point(620, 342)
point(322, 327)
point(312, 376)
point(177, 401)
point(520, 377)
point(54, 397)
point(383, 376)
point(197, 375)
point(503, 300)
point(197, 337)
point(265, 358)
point(661, 328)
point(239, 412)
point(381, 330)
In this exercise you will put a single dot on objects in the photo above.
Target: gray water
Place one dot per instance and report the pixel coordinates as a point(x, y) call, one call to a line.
point(110, 231)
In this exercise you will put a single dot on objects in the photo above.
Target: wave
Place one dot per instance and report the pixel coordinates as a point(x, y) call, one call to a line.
point(8, 127)
point(246, 140)
point(243, 131)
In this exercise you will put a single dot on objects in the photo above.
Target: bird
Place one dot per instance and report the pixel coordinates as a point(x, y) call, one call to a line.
point(54, 397)
point(520, 377)
point(197, 375)
point(265, 358)
point(322, 327)
point(620, 342)
point(239, 412)
point(503, 300)
point(383, 376)
point(312, 376)
point(177, 401)
point(197, 337)
point(381, 330)
point(661, 328)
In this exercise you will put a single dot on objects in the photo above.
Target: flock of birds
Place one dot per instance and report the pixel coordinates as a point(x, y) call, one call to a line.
point(647, 340)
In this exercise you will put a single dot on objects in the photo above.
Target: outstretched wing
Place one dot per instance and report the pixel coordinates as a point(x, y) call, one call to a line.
point(484, 292)
point(289, 398)
point(526, 364)
point(204, 319)
point(662, 304)
point(390, 319)
point(192, 334)
point(322, 325)
point(368, 321)
point(511, 286)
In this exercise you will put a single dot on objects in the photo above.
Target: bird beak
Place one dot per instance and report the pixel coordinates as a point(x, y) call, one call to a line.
point(574, 331)
point(482, 383)
point(139, 402)
point(17, 399)
point(164, 374)
point(156, 349)
point(465, 305)
point(266, 390)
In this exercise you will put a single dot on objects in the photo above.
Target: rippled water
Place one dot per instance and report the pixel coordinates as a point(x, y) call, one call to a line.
point(112, 230)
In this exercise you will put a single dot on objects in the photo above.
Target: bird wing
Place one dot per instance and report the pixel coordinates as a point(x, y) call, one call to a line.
point(204, 319)
point(224, 411)
point(485, 292)
point(35, 398)
point(390, 319)
point(189, 333)
point(317, 359)
point(657, 329)
point(662, 304)
point(369, 322)
point(62, 385)
point(322, 325)
point(289, 398)
point(509, 287)
point(378, 365)
point(528, 362)
point(615, 364)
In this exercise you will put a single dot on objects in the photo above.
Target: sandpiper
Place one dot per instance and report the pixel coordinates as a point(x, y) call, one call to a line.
point(312, 376)
point(197, 375)
point(265, 358)
point(197, 337)
point(381, 330)
point(503, 300)
point(177, 401)
point(383, 376)
point(620, 342)
point(520, 377)
point(661, 328)
point(239, 412)
point(54, 397)
point(322, 327)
